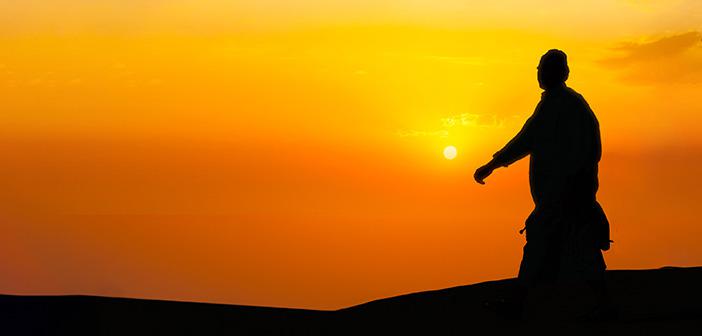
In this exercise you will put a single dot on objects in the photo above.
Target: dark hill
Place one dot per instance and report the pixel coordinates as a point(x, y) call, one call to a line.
point(648, 301)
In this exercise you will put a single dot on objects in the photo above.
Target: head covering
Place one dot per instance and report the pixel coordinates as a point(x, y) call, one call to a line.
point(554, 67)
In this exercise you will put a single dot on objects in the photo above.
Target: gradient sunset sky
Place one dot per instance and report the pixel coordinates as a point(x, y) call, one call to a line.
point(289, 153)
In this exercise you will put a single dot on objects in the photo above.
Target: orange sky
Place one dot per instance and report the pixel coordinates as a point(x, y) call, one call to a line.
point(289, 153)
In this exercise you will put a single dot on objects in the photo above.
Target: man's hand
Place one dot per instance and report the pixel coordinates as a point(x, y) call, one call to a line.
point(483, 172)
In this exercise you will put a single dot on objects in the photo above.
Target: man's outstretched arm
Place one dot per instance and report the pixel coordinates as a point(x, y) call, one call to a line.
point(514, 150)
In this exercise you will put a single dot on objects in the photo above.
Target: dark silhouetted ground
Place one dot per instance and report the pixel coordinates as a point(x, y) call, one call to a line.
point(667, 300)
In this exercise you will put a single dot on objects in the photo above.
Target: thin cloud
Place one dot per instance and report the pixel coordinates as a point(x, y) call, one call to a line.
point(670, 59)
point(462, 120)
point(472, 120)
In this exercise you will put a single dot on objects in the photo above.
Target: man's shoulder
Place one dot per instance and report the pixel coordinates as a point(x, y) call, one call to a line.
point(575, 97)
point(557, 93)
point(572, 93)
point(562, 97)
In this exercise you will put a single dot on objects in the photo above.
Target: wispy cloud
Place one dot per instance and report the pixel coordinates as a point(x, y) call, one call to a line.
point(472, 120)
point(674, 58)
point(461, 120)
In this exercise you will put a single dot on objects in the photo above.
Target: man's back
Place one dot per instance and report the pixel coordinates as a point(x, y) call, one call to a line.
point(565, 144)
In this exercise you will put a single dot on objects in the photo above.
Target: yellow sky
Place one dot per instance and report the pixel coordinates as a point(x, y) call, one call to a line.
point(289, 153)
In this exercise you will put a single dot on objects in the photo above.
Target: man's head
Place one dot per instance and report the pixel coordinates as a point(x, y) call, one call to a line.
point(553, 69)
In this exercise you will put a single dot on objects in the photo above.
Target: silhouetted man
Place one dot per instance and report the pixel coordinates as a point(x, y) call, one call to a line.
point(567, 228)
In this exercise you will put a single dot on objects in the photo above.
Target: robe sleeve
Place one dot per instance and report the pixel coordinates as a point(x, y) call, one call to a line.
point(521, 145)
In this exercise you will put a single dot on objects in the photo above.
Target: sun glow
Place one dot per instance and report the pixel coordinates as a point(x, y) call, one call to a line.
point(450, 152)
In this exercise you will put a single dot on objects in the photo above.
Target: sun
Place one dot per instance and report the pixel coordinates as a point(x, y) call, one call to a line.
point(450, 152)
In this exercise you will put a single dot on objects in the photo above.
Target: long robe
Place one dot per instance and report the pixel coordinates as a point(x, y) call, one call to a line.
point(567, 228)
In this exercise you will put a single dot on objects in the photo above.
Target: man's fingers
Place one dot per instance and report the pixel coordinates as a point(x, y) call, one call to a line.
point(480, 174)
